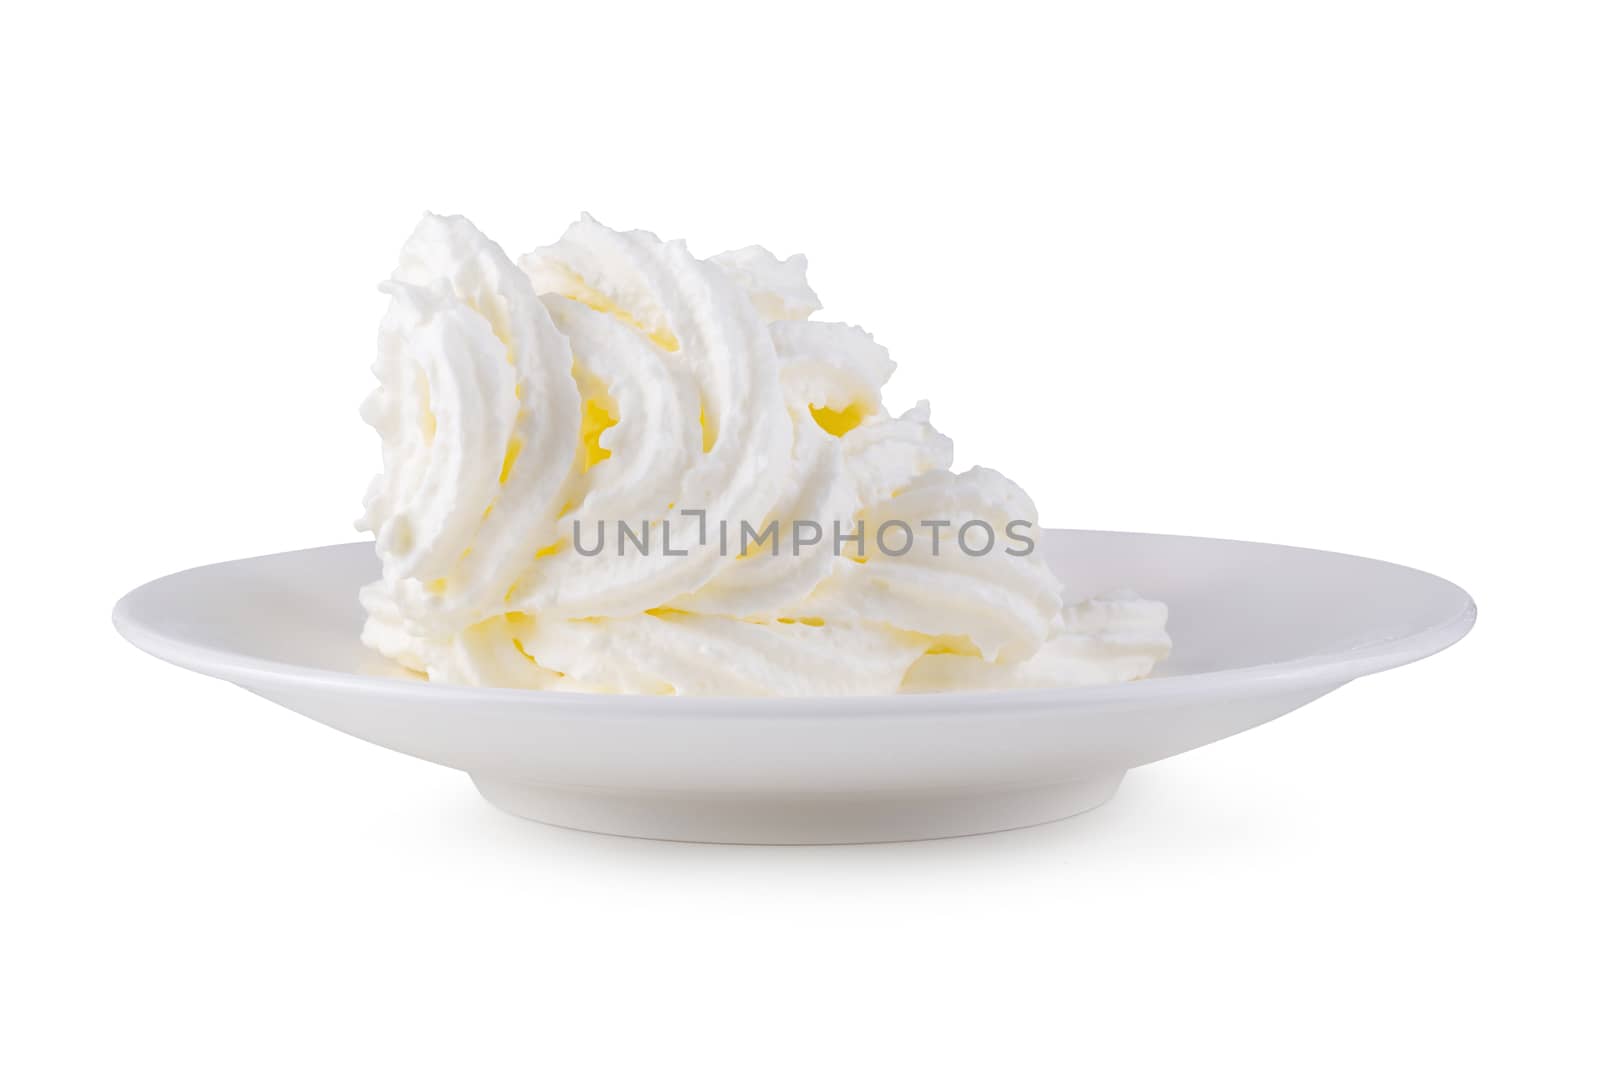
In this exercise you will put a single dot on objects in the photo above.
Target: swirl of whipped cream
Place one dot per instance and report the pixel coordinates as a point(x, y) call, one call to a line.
point(613, 377)
point(634, 296)
point(477, 410)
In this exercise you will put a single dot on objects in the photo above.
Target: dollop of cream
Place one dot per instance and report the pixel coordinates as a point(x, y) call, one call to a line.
point(614, 376)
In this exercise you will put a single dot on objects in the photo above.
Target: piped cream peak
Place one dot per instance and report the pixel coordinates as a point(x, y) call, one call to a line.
point(610, 377)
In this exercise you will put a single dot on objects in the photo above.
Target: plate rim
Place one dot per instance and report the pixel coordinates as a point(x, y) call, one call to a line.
point(1321, 671)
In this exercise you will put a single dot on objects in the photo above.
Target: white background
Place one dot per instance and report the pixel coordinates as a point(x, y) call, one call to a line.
point(1321, 274)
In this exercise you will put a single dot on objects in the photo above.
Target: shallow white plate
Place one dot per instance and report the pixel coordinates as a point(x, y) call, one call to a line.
point(1258, 631)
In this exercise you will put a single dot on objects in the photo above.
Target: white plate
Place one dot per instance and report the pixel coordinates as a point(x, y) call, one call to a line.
point(1258, 630)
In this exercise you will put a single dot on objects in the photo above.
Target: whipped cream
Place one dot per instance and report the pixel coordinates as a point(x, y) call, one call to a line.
point(614, 377)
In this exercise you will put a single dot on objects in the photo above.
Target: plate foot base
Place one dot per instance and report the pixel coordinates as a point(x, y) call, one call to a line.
point(795, 818)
